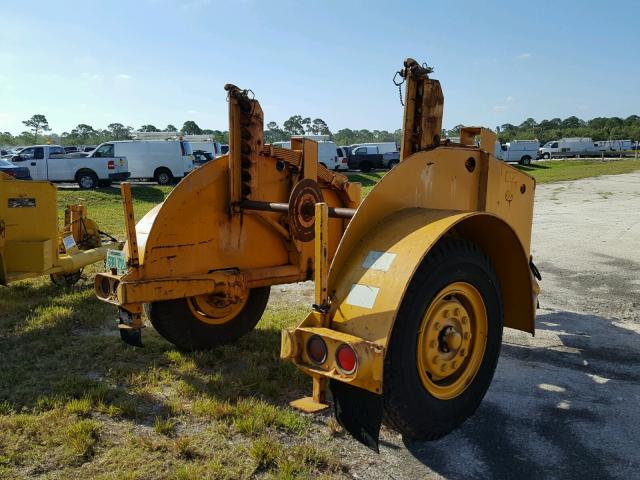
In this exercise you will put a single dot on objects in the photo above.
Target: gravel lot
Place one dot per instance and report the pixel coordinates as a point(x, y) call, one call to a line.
point(565, 403)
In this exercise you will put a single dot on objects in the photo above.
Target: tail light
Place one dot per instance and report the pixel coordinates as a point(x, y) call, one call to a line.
point(346, 358)
point(111, 165)
point(317, 350)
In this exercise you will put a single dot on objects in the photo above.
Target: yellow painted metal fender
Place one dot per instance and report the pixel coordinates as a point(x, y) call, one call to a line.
point(427, 196)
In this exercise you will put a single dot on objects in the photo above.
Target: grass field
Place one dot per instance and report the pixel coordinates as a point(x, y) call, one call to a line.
point(77, 403)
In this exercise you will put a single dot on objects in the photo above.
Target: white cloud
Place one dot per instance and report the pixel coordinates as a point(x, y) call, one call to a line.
point(509, 98)
point(124, 76)
point(499, 108)
point(523, 56)
point(193, 112)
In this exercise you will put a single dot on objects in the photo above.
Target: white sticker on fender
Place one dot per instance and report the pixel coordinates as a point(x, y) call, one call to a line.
point(379, 260)
point(362, 295)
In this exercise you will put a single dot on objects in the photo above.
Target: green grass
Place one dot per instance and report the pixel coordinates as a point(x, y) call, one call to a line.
point(76, 402)
point(105, 204)
point(560, 170)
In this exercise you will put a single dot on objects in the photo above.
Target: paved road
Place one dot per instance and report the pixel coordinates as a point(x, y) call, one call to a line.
point(565, 403)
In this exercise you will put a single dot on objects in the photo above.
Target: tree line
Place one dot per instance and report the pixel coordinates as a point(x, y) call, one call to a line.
point(599, 128)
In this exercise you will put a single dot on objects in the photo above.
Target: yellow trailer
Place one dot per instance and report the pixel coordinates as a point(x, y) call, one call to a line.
point(424, 273)
point(31, 244)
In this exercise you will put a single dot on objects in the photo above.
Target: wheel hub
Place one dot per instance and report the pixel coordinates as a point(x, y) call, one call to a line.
point(216, 309)
point(451, 340)
point(448, 338)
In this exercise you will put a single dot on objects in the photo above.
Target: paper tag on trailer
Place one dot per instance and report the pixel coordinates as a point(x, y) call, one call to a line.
point(117, 260)
point(68, 242)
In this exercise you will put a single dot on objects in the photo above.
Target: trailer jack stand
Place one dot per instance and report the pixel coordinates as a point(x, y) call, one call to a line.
point(131, 336)
point(315, 403)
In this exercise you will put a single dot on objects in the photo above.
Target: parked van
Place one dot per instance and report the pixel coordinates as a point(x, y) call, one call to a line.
point(521, 151)
point(159, 160)
point(567, 147)
point(327, 154)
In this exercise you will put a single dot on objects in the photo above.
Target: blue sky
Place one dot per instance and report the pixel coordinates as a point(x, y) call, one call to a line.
point(166, 61)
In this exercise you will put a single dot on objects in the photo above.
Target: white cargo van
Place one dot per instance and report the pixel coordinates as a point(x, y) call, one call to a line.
point(567, 147)
point(160, 160)
point(327, 153)
point(521, 151)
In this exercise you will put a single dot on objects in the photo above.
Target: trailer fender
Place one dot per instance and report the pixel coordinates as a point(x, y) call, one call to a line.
point(369, 289)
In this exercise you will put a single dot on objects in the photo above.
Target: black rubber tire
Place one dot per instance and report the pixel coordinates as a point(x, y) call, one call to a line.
point(365, 167)
point(175, 322)
point(408, 406)
point(87, 180)
point(526, 160)
point(163, 176)
point(546, 156)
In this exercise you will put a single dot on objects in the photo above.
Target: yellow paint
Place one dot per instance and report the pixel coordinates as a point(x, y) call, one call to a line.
point(30, 243)
point(451, 340)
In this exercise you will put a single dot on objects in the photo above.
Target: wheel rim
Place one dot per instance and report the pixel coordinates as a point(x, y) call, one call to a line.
point(216, 309)
point(163, 178)
point(452, 340)
point(86, 182)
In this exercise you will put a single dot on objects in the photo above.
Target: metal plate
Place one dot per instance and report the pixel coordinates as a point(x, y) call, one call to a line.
point(302, 204)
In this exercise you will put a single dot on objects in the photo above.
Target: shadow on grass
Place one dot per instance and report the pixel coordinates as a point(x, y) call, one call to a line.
point(153, 194)
point(532, 167)
point(366, 179)
point(60, 345)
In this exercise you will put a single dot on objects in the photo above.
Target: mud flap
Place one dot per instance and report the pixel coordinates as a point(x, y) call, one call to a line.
point(359, 412)
point(131, 336)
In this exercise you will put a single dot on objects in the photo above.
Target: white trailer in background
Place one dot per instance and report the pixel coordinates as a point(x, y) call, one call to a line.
point(521, 151)
point(613, 145)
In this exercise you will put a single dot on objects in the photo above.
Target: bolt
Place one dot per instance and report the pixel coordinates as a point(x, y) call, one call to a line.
point(443, 367)
point(435, 360)
point(433, 344)
point(436, 326)
point(454, 365)
point(456, 312)
point(467, 336)
point(445, 314)
point(462, 352)
point(464, 320)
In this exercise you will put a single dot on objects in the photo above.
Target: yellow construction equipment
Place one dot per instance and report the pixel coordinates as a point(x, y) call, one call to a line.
point(424, 273)
point(31, 244)
point(433, 264)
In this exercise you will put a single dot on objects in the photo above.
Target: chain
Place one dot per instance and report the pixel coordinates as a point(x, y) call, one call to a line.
point(399, 85)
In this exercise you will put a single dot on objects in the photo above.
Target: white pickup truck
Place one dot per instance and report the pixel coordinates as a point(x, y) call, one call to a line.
point(50, 162)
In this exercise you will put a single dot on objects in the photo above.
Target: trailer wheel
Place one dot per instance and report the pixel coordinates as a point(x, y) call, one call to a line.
point(205, 321)
point(445, 344)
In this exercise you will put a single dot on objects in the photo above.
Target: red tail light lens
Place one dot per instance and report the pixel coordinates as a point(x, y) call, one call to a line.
point(317, 350)
point(111, 165)
point(346, 358)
